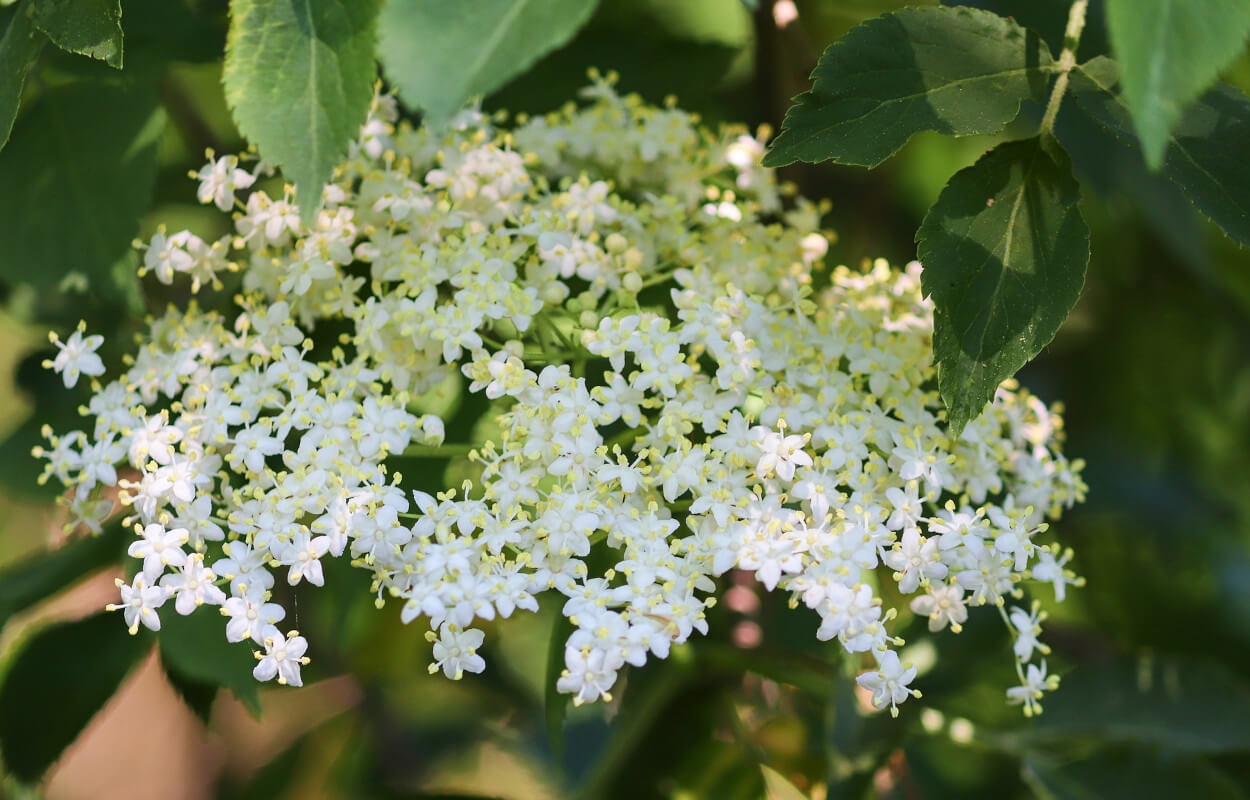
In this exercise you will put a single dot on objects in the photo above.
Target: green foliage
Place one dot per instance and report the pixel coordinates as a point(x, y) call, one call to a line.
point(1004, 250)
point(42, 575)
point(19, 47)
point(1171, 51)
point(958, 71)
point(299, 78)
point(1183, 706)
point(56, 683)
point(87, 151)
point(1204, 153)
point(488, 41)
point(1134, 773)
point(194, 651)
point(87, 27)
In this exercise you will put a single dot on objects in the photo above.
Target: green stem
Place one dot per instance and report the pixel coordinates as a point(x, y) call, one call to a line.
point(438, 451)
point(1067, 60)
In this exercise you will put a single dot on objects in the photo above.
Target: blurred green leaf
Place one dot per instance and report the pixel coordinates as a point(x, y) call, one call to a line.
point(42, 575)
point(194, 648)
point(1205, 158)
point(19, 47)
point(1171, 51)
point(1004, 250)
point(958, 71)
point(56, 683)
point(555, 704)
point(1177, 705)
point(299, 79)
point(778, 787)
point(85, 158)
point(87, 27)
point(1138, 774)
point(440, 54)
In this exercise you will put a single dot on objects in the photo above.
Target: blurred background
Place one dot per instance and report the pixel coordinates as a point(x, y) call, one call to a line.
point(1153, 368)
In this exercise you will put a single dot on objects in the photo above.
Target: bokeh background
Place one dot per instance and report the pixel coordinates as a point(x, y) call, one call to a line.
point(1153, 368)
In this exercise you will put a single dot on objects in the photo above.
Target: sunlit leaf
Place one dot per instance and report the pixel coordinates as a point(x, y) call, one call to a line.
point(958, 71)
point(87, 27)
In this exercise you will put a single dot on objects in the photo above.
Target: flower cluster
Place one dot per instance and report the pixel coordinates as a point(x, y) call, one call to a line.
point(673, 381)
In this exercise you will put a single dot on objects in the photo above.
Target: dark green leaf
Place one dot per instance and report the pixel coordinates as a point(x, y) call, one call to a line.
point(299, 79)
point(40, 576)
point(88, 151)
point(957, 71)
point(19, 47)
point(1137, 774)
point(1004, 250)
point(1205, 156)
point(194, 648)
point(555, 704)
point(57, 682)
point(198, 696)
point(1181, 706)
point(1171, 51)
point(1049, 19)
point(440, 54)
point(87, 27)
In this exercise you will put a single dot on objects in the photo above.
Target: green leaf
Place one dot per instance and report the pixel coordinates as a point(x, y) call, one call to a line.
point(198, 695)
point(1049, 19)
point(1184, 707)
point(1171, 51)
point(85, 157)
point(958, 71)
point(194, 648)
point(778, 787)
point(1138, 774)
point(1004, 252)
point(45, 574)
point(555, 704)
point(20, 44)
point(439, 54)
point(1205, 154)
point(56, 683)
point(87, 27)
point(299, 78)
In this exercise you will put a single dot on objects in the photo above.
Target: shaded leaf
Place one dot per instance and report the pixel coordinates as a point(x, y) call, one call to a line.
point(44, 574)
point(198, 696)
point(440, 54)
point(88, 151)
point(958, 71)
point(19, 47)
point(194, 648)
point(1171, 51)
point(1137, 774)
point(1205, 156)
point(555, 704)
point(1004, 252)
point(1049, 19)
point(56, 683)
point(87, 27)
point(1176, 705)
point(299, 79)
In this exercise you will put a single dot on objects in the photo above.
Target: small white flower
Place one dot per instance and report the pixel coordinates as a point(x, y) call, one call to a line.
point(193, 586)
point(455, 651)
point(76, 356)
point(889, 683)
point(283, 657)
point(139, 603)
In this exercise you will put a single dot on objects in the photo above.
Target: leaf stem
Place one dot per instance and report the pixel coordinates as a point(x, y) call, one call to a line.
point(1067, 60)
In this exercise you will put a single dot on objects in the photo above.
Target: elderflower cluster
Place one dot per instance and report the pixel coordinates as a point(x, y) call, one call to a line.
point(667, 383)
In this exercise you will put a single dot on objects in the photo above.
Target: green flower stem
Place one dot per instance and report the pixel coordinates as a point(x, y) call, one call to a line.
point(1067, 60)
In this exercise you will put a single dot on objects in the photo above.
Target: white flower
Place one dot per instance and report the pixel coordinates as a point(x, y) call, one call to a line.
point(139, 603)
point(1027, 628)
point(1032, 688)
point(780, 453)
point(193, 586)
point(455, 651)
point(283, 657)
point(943, 605)
point(915, 559)
point(76, 356)
point(250, 618)
point(219, 179)
point(889, 683)
point(159, 548)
